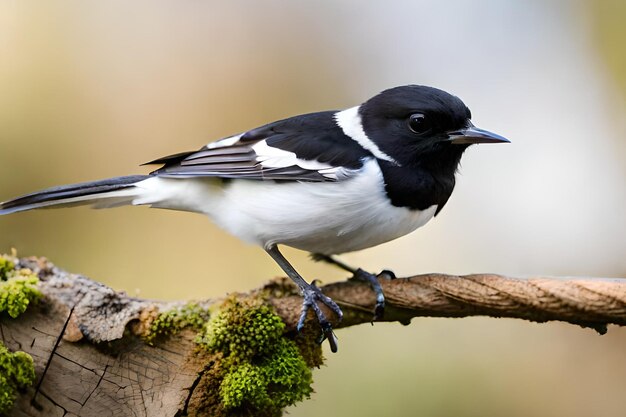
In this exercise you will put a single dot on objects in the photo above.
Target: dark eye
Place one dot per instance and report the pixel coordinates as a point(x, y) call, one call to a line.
point(418, 123)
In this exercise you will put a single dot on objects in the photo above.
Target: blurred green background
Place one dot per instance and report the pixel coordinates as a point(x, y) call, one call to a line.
point(91, 89)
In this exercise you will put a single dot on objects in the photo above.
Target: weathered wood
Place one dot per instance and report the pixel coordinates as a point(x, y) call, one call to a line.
point(117, 379)
point(100, 366)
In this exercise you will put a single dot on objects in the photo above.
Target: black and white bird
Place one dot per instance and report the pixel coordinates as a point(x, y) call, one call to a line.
point(327, 183)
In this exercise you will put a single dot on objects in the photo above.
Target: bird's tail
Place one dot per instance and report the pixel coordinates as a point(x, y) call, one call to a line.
point(111, 192)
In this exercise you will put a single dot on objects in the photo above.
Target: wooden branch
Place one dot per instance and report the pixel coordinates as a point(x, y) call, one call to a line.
point(90, 360)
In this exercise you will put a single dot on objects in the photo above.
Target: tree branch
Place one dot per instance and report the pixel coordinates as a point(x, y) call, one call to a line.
point(103, 367)
point(589, 302)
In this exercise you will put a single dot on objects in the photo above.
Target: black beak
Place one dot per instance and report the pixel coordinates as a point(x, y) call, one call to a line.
point(472, 134)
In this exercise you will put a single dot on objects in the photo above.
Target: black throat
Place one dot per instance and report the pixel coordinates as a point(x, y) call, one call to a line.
point(425, 182)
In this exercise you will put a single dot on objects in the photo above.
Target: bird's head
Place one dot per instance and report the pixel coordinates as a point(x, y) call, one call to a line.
point(415, 124)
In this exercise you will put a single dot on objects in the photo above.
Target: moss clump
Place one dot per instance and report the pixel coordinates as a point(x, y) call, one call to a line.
point(172, 321)
point(17, 371)
point(244, 329)
point(18, 288)
point(6, 266)
point(263, 371)
point(280, 380)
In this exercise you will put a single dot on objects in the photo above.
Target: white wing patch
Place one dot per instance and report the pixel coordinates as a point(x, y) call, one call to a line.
point(229, 141)
point(349, 121)
point(271, 157)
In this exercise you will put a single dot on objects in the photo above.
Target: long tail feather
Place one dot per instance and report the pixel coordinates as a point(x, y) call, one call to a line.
point(104, 193)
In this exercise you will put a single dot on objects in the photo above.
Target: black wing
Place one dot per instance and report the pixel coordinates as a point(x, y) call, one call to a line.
point(309, 147)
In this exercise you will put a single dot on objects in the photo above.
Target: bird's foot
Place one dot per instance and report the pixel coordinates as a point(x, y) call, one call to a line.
point(312, 294)
point(387, 274)
point(372, 280)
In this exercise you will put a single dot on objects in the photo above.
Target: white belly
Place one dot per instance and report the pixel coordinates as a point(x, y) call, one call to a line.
point(329, 218)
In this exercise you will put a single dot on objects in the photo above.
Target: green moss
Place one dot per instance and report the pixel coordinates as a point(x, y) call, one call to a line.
point(17, 371)
point(16, 293)
point(263, 371)
point(18, 288)
point(309, 347)
point(171, 322)
point(6, 266)
point(243, 329)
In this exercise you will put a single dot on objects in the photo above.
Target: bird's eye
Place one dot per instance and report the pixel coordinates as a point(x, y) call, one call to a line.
point(418, 123)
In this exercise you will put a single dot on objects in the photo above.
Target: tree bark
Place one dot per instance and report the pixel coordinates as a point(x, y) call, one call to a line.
point(90, 359)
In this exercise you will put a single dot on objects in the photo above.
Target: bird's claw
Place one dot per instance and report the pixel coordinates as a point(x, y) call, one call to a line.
point(312, 294)
point(372, 280)
point(327, 333)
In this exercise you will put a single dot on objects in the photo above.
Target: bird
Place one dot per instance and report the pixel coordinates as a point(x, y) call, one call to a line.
point(328, 183)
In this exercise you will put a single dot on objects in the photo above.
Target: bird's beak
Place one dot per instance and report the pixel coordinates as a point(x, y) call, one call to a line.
point(472, 134)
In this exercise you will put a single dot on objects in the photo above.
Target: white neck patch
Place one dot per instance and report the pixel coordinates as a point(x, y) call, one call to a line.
point(349, 121)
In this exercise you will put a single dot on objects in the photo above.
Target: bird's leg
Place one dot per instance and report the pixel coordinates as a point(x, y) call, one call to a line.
point(320, 257)
point(311, 295)
point(361, 275)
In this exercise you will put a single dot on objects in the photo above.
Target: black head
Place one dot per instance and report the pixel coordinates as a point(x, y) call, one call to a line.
point(415, 124)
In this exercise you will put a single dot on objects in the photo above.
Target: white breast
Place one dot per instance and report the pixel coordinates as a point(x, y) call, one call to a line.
point(330, 218)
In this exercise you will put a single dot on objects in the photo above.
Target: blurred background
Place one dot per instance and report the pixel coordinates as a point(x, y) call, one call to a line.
point(91, 89)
